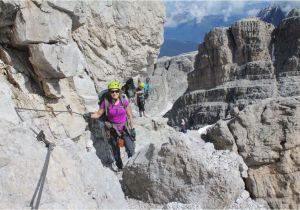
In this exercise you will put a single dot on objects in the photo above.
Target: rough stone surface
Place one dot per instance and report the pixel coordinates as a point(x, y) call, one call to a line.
point(237, 66)
point(287, 46)
point(186, 171)
point(56, 61)
point(40, 24)
point(267, 136)
point(118, 40)
point(168, 81)
point(58, 48)
point(75, 179)
point(222, 136)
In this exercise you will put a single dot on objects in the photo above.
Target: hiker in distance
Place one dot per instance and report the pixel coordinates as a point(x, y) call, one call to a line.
point(119, 122)
point(140, 98)
point(147, 88)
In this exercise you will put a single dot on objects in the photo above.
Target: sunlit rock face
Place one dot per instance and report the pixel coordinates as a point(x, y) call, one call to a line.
point(240, 65)
point(55, 55)
point(267, 136)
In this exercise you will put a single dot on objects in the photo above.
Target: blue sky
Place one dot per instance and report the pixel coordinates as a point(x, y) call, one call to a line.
point(180, 12)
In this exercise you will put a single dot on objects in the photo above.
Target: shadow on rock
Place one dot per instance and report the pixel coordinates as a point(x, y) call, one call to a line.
point(100, 142)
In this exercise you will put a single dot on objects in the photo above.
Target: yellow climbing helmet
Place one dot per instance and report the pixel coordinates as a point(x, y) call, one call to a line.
point(141, 85)
point(114, 85)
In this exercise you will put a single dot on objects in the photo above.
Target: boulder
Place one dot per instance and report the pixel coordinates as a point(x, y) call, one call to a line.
point(56, 61)
point(185, 171)
point(221, 137)
point(36, 23)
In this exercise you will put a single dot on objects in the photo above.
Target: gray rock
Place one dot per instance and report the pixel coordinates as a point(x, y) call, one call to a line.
point(40, 24)
point(221, 136)
point(7, 111)
point(287, 47)
point(185, 171)
point(267, 137)
point(70, 181)
point(294, 12)
point(237, 66)
point(168, 81)
point(56, 61)
point(120, 41)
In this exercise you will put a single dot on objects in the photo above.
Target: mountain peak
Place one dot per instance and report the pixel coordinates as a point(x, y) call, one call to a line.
point(272, 14)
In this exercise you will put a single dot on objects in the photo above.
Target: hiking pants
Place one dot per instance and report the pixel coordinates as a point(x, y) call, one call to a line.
point(129, 147)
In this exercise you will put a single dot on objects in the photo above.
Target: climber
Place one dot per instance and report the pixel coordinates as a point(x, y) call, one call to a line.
point(129, 89)
point(118, 116)
point(140, 98)
point(147, 87)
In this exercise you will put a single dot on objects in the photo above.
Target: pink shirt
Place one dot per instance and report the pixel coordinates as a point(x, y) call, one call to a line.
point(116, 112)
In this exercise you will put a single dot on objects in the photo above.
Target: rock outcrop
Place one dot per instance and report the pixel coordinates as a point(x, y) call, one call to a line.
point(267, 136)
point(272, 14)
point(185, 170)
point(55, 56)
point(168, 81)
point(240, 65)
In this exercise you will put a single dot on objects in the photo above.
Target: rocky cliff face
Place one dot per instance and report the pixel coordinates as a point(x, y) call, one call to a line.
point(56, 55)
point(272, 14)
point(267, 136)
point(168, 81)
point(254, 67)
point(240, 65)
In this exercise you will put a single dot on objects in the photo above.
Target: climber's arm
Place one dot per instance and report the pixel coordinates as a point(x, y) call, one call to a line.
point(98, 114)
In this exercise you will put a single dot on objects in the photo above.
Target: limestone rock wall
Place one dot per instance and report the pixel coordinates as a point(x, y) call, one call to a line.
point(267, 136)
point(168, 81)
point(56, 55)
point(240, 65)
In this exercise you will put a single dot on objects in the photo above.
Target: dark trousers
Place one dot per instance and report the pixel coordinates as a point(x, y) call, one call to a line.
point(129, 147)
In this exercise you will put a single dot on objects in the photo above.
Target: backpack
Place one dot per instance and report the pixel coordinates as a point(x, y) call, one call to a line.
point(103, 96)
point(141, 97)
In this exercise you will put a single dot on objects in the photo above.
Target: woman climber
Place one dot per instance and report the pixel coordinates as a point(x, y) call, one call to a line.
point(119, 122)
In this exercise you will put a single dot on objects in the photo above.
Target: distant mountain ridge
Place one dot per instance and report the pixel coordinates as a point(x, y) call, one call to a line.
point(173, 47)
point(272, 14)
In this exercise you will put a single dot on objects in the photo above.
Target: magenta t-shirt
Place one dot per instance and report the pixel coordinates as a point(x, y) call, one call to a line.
point(116, 112)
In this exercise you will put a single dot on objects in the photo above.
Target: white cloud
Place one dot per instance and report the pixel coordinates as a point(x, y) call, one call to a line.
point(185, 11)
point(253, 12)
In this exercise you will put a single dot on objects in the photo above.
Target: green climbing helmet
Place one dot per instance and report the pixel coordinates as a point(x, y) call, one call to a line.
point(114, 85)
point(141, 85)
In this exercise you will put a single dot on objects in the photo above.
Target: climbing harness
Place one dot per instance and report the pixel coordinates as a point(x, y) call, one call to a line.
point(40, 136)
point(39, 188)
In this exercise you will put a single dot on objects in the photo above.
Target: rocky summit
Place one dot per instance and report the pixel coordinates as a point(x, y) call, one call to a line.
point(240, 65)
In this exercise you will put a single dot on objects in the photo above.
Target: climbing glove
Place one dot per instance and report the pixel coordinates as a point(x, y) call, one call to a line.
point(87, 116)
point(133, 133)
